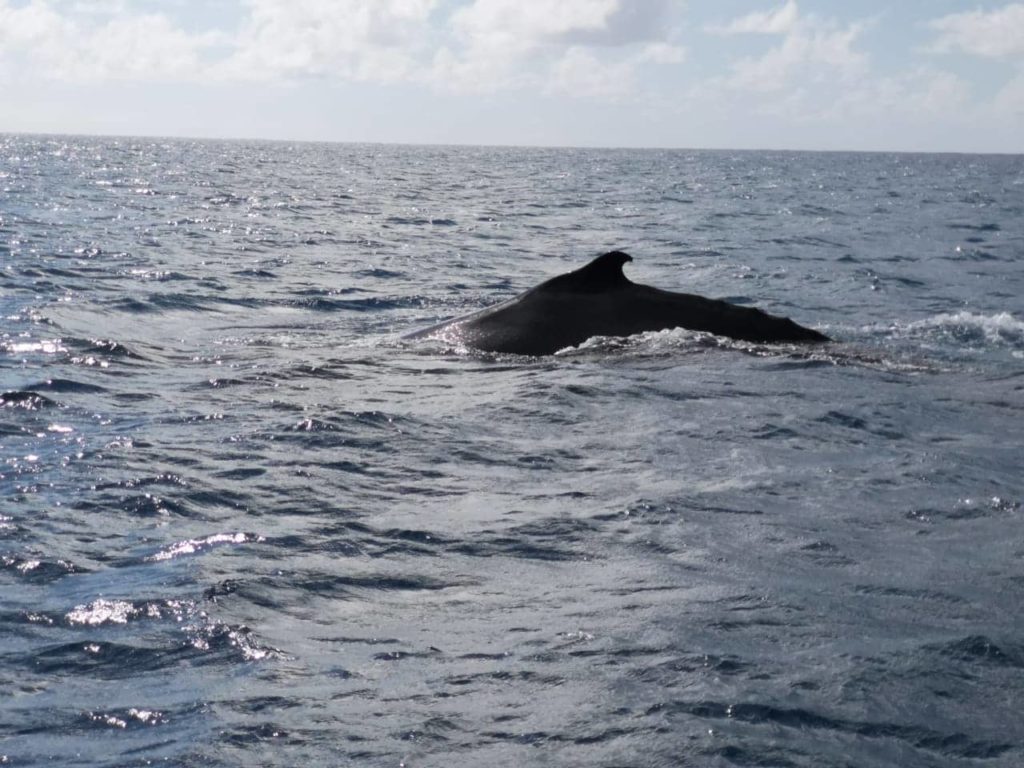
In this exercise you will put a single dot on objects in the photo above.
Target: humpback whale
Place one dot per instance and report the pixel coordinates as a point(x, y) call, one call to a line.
point(599, 300)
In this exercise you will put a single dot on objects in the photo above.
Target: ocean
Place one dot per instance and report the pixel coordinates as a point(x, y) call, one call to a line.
point(243, 521)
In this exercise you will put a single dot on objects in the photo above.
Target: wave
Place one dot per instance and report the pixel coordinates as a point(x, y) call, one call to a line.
point(37, 571)
point(204, 644)
point(964, 327)
point(44, 346)
point(67, 385)
point(27, 399)
point(948, 744)
point(103, 611)
point(195, 546)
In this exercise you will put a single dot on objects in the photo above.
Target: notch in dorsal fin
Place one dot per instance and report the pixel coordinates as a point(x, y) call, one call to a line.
point(602, 274)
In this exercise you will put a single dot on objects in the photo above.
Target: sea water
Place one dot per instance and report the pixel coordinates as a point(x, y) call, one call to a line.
point(243, 522)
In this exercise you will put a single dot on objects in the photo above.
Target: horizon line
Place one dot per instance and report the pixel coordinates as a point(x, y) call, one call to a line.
point(491, 145)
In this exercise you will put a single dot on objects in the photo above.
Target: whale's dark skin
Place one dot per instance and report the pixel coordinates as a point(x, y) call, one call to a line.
point(599, 300)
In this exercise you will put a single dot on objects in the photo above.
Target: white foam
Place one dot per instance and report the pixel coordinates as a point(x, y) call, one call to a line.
point(999, 328)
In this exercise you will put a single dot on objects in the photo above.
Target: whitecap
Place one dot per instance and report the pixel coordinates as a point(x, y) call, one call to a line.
point(1001, 328)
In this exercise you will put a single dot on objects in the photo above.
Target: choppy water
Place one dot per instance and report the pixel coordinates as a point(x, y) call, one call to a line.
point(242, 523)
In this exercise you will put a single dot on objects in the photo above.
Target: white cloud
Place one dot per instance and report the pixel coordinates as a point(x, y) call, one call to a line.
point(278, 39)
point(592, 73)
point(776, 22)
point(587, 48)
point(30, 25)
point(375, 40)
point(997, 34)
point(141, 48)
point(517, 25)
point(812, 51)
point(818, 76)
point(501, 43)
point(99, 46)
point(921, 93)
point(993, 34)
point(1010, 99)
point(580, 73)
point(937, 93)
point(663, 53)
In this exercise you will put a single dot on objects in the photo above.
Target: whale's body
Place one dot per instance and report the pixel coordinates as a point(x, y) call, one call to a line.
point(599, 300)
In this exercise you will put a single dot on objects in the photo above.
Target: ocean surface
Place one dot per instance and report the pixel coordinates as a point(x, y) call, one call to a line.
point(244, 523)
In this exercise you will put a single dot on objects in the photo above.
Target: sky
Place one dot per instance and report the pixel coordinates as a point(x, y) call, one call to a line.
point(906, 75)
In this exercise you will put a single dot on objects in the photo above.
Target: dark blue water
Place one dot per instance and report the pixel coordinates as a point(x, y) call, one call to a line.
point(243, 523)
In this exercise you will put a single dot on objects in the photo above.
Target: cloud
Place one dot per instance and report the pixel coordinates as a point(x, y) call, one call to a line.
point(366, 40)
point(588, 48)
point(997, 34)
point(585, 48)
point(1010, 99)
point(586, 73)
point(812, 51)
point(140, 48)
point(993, 34)
point(663, 53)
point(515, 25)
point(30, 25)
point(103, 40)
point(582, 47)
point(776, 22)
point(580, 73)
point(99, 45)
point(921, 93)
point(631, 22)
point(818, 75)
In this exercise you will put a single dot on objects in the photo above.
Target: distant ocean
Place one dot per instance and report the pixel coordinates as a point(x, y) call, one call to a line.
point(243, 523)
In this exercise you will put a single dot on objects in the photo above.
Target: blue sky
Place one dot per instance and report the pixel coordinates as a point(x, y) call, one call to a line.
point(930, 75)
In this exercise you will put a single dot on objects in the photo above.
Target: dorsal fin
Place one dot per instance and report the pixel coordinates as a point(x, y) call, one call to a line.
point(602, 274)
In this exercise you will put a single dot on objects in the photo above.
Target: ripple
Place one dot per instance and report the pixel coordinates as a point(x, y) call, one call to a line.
point(45, 347)
point(958, 745)
point(103, 611)
point(30, 401)
point(127, 718)
point(37, 570)
point(213, 643)
point(67, 385)
point(197, 546)
point(978, 649)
